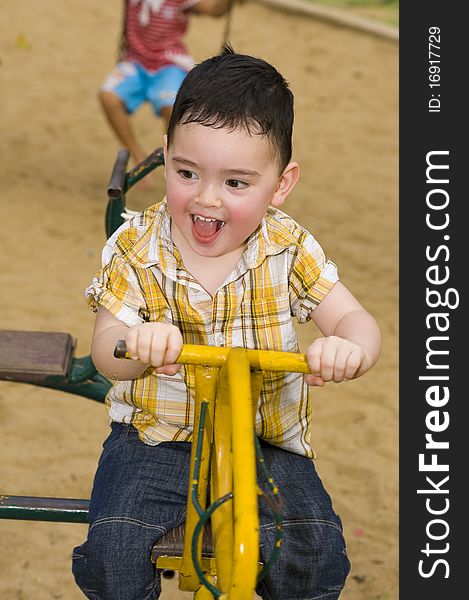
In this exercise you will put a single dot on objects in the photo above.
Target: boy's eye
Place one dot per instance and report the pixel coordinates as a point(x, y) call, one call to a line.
point(236, 183)
point(187, 174)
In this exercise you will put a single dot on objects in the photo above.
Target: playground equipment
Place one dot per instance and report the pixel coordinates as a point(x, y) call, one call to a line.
point(47, 359)
point(223, 455)
point(217, 550)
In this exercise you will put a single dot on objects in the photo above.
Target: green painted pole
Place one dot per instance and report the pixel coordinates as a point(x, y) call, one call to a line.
point(33, 508)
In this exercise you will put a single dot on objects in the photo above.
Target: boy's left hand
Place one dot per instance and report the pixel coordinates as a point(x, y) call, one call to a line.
point(333, 359)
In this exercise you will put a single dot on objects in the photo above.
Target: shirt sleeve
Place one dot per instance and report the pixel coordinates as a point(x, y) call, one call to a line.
point(312, 277)
point(116, 288)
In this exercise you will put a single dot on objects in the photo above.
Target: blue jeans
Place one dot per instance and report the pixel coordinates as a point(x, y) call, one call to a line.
point(140, 493)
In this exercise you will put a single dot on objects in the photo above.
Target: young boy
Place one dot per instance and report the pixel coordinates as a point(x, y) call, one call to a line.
point(217, 263)
point(154, 61)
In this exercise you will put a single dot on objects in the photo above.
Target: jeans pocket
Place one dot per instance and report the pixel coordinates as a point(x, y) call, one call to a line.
point(120, 433)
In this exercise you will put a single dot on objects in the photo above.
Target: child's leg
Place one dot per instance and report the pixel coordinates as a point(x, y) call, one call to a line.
point(312, 563)
point(121, 94)
point(139, 493)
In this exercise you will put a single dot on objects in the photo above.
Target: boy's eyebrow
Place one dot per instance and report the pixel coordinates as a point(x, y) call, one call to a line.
point(184, 161)
point(240, 171)
point(248, 172)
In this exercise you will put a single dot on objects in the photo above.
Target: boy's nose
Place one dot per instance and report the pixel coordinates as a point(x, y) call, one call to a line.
point(208, 197)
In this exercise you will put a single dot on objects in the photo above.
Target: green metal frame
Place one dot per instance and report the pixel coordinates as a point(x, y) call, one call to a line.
point(82, 379)
point(35, 508)
point(121, 181)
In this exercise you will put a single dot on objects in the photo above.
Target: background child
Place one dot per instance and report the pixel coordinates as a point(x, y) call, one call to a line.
point(217, 263)
point(153, 62)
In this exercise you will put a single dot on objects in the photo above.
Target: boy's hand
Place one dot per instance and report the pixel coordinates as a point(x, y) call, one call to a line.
point(333, 359)
point(155, 344)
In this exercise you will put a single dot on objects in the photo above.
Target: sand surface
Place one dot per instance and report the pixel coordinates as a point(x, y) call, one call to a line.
point(56, 157)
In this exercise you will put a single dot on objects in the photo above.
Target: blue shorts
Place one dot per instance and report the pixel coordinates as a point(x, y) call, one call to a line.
point(134, 85)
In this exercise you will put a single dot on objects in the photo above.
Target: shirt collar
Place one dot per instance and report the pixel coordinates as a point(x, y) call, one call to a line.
point(270, 238)
point(156, 248)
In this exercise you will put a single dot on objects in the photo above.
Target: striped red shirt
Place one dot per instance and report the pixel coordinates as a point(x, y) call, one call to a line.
point(154, 32)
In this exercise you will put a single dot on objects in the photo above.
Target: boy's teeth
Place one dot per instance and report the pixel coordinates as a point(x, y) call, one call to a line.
point(203, 218)
point(206, 226)
point(208, 220)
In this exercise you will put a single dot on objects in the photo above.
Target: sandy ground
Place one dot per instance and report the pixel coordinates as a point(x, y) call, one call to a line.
point(56, 158)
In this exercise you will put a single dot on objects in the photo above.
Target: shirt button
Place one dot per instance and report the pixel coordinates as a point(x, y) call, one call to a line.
point(220, 339)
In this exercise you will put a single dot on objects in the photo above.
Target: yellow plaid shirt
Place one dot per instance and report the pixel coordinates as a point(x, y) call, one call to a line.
point(282, 274)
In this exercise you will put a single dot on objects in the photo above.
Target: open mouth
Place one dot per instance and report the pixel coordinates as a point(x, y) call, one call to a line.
point(206, 227)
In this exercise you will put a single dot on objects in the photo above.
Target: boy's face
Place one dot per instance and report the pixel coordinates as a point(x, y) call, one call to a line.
point(219, 184)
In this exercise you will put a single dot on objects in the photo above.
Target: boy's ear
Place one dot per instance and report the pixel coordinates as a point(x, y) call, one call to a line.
point(286, 183)
point(165, 153)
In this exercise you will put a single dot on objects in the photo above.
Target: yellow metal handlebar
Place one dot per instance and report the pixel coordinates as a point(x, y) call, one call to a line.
point(214, 356)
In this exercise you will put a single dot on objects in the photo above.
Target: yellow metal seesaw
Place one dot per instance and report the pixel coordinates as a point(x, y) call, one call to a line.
point(228, 384)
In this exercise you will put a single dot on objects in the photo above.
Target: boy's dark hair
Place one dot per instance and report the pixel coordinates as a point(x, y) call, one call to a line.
point(237, 91)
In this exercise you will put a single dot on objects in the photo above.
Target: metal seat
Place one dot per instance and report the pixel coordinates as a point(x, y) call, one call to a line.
point(172, 544)
point(35, 356)
point(47, 359)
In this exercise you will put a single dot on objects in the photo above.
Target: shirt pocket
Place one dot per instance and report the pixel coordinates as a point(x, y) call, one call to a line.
point(266, 324)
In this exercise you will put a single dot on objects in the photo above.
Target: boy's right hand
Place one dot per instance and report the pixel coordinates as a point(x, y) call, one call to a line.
point(155, 344)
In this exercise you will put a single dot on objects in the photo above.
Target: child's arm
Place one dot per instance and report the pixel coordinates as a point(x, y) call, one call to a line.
point(149, 344)
point(352, 341)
